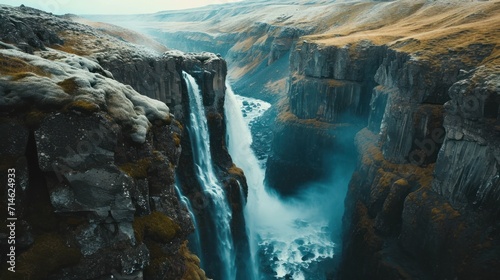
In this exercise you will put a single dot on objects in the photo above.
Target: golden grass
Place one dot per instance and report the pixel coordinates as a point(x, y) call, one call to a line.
point(330, 82)
point(73, 43)
point(192, 262)
point(286, 116)
point(234, 170)
point(426, 29)
point(69, 86)
point(18, 68)
point(244, 45)
point(83, 106)
point(123, 34)
point(277, 87)
point(372, 155)
point(239, 71)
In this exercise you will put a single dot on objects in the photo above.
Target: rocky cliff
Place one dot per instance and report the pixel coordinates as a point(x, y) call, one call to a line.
point(422, 202)
point(255, 37)
point(93, 128)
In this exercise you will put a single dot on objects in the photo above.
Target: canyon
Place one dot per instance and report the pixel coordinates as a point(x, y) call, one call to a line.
point(385, 120)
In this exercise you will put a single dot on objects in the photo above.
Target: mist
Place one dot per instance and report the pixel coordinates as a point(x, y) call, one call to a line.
point(294, 236)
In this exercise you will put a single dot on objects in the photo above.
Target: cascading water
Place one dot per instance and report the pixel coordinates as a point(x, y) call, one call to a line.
point(194, 240)
point(291, 237)
point(221, 212)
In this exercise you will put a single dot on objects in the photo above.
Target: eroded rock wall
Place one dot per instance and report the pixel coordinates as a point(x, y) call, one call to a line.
point(96, 159)
point(421, 201)
point(328, 101)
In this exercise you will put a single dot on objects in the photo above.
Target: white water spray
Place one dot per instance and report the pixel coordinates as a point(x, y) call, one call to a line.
point(292, 234)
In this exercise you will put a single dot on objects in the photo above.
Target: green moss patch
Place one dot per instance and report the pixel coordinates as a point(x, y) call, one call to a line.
point(73, 43)
point(137, 170)
point(83, 106)
point(48, 254)
point(155, 230)
point(156, 226)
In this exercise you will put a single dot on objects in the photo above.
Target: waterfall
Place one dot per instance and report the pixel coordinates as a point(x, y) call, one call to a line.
point(291, 236)
point(194, 240)
point(221, 212)
point(239, 141)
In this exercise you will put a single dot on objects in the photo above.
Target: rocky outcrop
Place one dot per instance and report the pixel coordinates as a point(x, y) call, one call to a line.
point(95, 159)
point(328, 101)
point(421, 193)
point(471, 146)
point(316, 147)
point(95, 165)
point(422, 202)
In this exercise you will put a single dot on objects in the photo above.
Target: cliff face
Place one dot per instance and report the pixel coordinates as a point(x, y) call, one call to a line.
point(94, 158)
point(326, 104)
point(440, 219)
point(422, 202)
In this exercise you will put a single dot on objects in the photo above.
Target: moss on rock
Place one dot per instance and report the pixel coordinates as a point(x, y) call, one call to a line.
point(193, 270)
point(48, 254)
point(69, 85)
point(137, 170)
point(177, 139)
point(156, 226)
point(234, 170)
point(83, 106)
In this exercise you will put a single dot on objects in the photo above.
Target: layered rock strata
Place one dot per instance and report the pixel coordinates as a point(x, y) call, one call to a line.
point(422, 202)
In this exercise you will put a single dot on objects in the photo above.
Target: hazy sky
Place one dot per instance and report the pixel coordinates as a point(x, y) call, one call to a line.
point(111, 6)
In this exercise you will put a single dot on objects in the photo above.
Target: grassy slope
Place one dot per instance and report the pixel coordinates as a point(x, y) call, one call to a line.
point(424, 28)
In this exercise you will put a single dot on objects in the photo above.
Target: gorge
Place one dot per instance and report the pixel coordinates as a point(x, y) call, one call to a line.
point(285, 140)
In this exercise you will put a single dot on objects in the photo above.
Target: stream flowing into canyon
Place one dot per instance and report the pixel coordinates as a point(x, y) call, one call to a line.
point(290, 238)
point(218, 208)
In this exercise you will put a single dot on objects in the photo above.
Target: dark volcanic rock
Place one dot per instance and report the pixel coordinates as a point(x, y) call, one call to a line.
point(427, 176)
point(316, 151)
point(423, 201)
point(79, 142)
point(20, 29)
point(471, 151)
point(94, 159)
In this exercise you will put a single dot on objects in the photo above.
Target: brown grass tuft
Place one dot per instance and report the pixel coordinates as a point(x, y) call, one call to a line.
point(234, 170)
point(69, 86)
point(18, 68)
